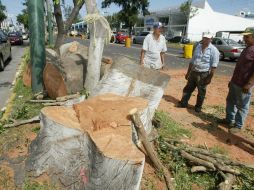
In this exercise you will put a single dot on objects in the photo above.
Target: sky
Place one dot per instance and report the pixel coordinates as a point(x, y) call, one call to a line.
point(14, 7)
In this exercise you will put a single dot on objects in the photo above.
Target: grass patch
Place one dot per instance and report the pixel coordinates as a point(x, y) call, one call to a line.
point(168, 128)
point(181, 169)
point(213, 113)
point(22, 109)
point(219, 150)
point(38, 186)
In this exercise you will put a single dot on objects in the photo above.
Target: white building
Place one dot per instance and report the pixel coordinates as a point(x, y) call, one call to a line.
point(205, 19)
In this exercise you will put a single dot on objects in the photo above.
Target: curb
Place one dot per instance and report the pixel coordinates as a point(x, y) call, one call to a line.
point(8, 106)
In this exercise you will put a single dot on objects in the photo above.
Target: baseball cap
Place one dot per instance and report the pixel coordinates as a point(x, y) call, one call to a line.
point(157, 25)
point(248, 31)
point(207, 35)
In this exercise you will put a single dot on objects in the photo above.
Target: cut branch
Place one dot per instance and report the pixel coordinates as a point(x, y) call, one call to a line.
point(135, 116)
point(35, 119)
point(195, 169)
point(197, 160)
point(229, 181)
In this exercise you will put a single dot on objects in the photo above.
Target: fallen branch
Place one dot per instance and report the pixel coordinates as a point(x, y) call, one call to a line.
point(197, 160)
point(195, 169)
point(135, 116)
point(68, 97)
point(218, 165)
point(35, 119)
point(42, 101)
point(229, 181)
point(54, 104)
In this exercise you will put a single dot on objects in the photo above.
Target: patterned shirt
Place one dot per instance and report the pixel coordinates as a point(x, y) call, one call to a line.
point(202, 62)
point(244, 68)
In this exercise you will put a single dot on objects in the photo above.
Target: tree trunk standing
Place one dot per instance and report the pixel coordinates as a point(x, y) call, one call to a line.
point(64, 27)
point(60, 25)
point(98, 34)
point(37, 48)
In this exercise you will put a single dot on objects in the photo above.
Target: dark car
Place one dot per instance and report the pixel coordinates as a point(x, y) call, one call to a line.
point(179, 39)
point(5, 50)
point(15, 38)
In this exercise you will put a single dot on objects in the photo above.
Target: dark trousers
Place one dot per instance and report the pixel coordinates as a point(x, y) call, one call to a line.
point(196, 79)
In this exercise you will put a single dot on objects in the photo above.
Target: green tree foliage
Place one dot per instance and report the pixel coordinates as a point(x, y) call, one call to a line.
point(2, 12)
point(113, 21)
point(130, 9)
point(187, 10)
point(22, 18)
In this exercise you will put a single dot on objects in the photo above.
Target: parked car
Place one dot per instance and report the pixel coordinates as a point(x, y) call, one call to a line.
point(5, 50)
point(121, 37)
point(139, 39)
point(15, 38)
point(180, 39)
point(228, 48)
point(25, 35)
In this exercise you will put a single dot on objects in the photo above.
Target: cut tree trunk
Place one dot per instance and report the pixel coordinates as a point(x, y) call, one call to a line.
point(126, 78)
point(88, 146)
point(68, 71)
point(98, 34)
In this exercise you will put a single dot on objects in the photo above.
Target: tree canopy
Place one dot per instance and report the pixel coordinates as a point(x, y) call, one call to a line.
point(2, 12)
point(22, 18)
point(130, 9)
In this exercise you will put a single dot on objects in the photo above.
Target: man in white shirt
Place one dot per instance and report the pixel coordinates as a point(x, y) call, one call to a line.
point(154, 48)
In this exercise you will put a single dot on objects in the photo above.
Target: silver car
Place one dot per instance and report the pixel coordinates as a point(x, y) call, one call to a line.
point(25, 36)
point(228, 48)
point(5, 50)
point(139, 39)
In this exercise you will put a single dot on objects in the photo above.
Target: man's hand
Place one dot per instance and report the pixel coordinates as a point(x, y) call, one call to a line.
point(246, 88)
point(141, 62)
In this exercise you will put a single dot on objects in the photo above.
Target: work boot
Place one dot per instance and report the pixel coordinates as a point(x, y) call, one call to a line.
point(198, 109)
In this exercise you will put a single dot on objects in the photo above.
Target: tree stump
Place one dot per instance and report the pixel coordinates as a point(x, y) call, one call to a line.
point(68, 71)
point(125, 78)
point(88, 146)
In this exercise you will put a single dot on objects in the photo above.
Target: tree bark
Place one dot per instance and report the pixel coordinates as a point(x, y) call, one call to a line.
point(60, 25)
point(142, 136)
point(78, 147)
point(64, 27)
point(98, 34)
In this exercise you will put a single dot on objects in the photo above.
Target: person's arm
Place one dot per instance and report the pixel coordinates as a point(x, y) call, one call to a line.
point(188, 71)
point(162, 54)
point(142, 55)
point(143, 51)
point(249, 85)
point(215, 61)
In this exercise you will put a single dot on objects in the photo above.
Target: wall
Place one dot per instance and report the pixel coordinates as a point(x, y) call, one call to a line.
point(208, 20)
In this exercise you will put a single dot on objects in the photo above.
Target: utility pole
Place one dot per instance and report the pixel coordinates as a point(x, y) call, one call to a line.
point(37, 42)
point(50, 25)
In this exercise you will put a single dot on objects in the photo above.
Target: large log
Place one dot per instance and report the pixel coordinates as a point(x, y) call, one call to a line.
point(88, 146)
point(127, 78)
point(65, 74)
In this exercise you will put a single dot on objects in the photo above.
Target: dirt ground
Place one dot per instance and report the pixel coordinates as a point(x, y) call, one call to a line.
point(205, 131)
point(204, 128)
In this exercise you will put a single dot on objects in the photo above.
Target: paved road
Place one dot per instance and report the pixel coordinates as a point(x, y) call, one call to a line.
point(7, 76)
point(174, 57)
